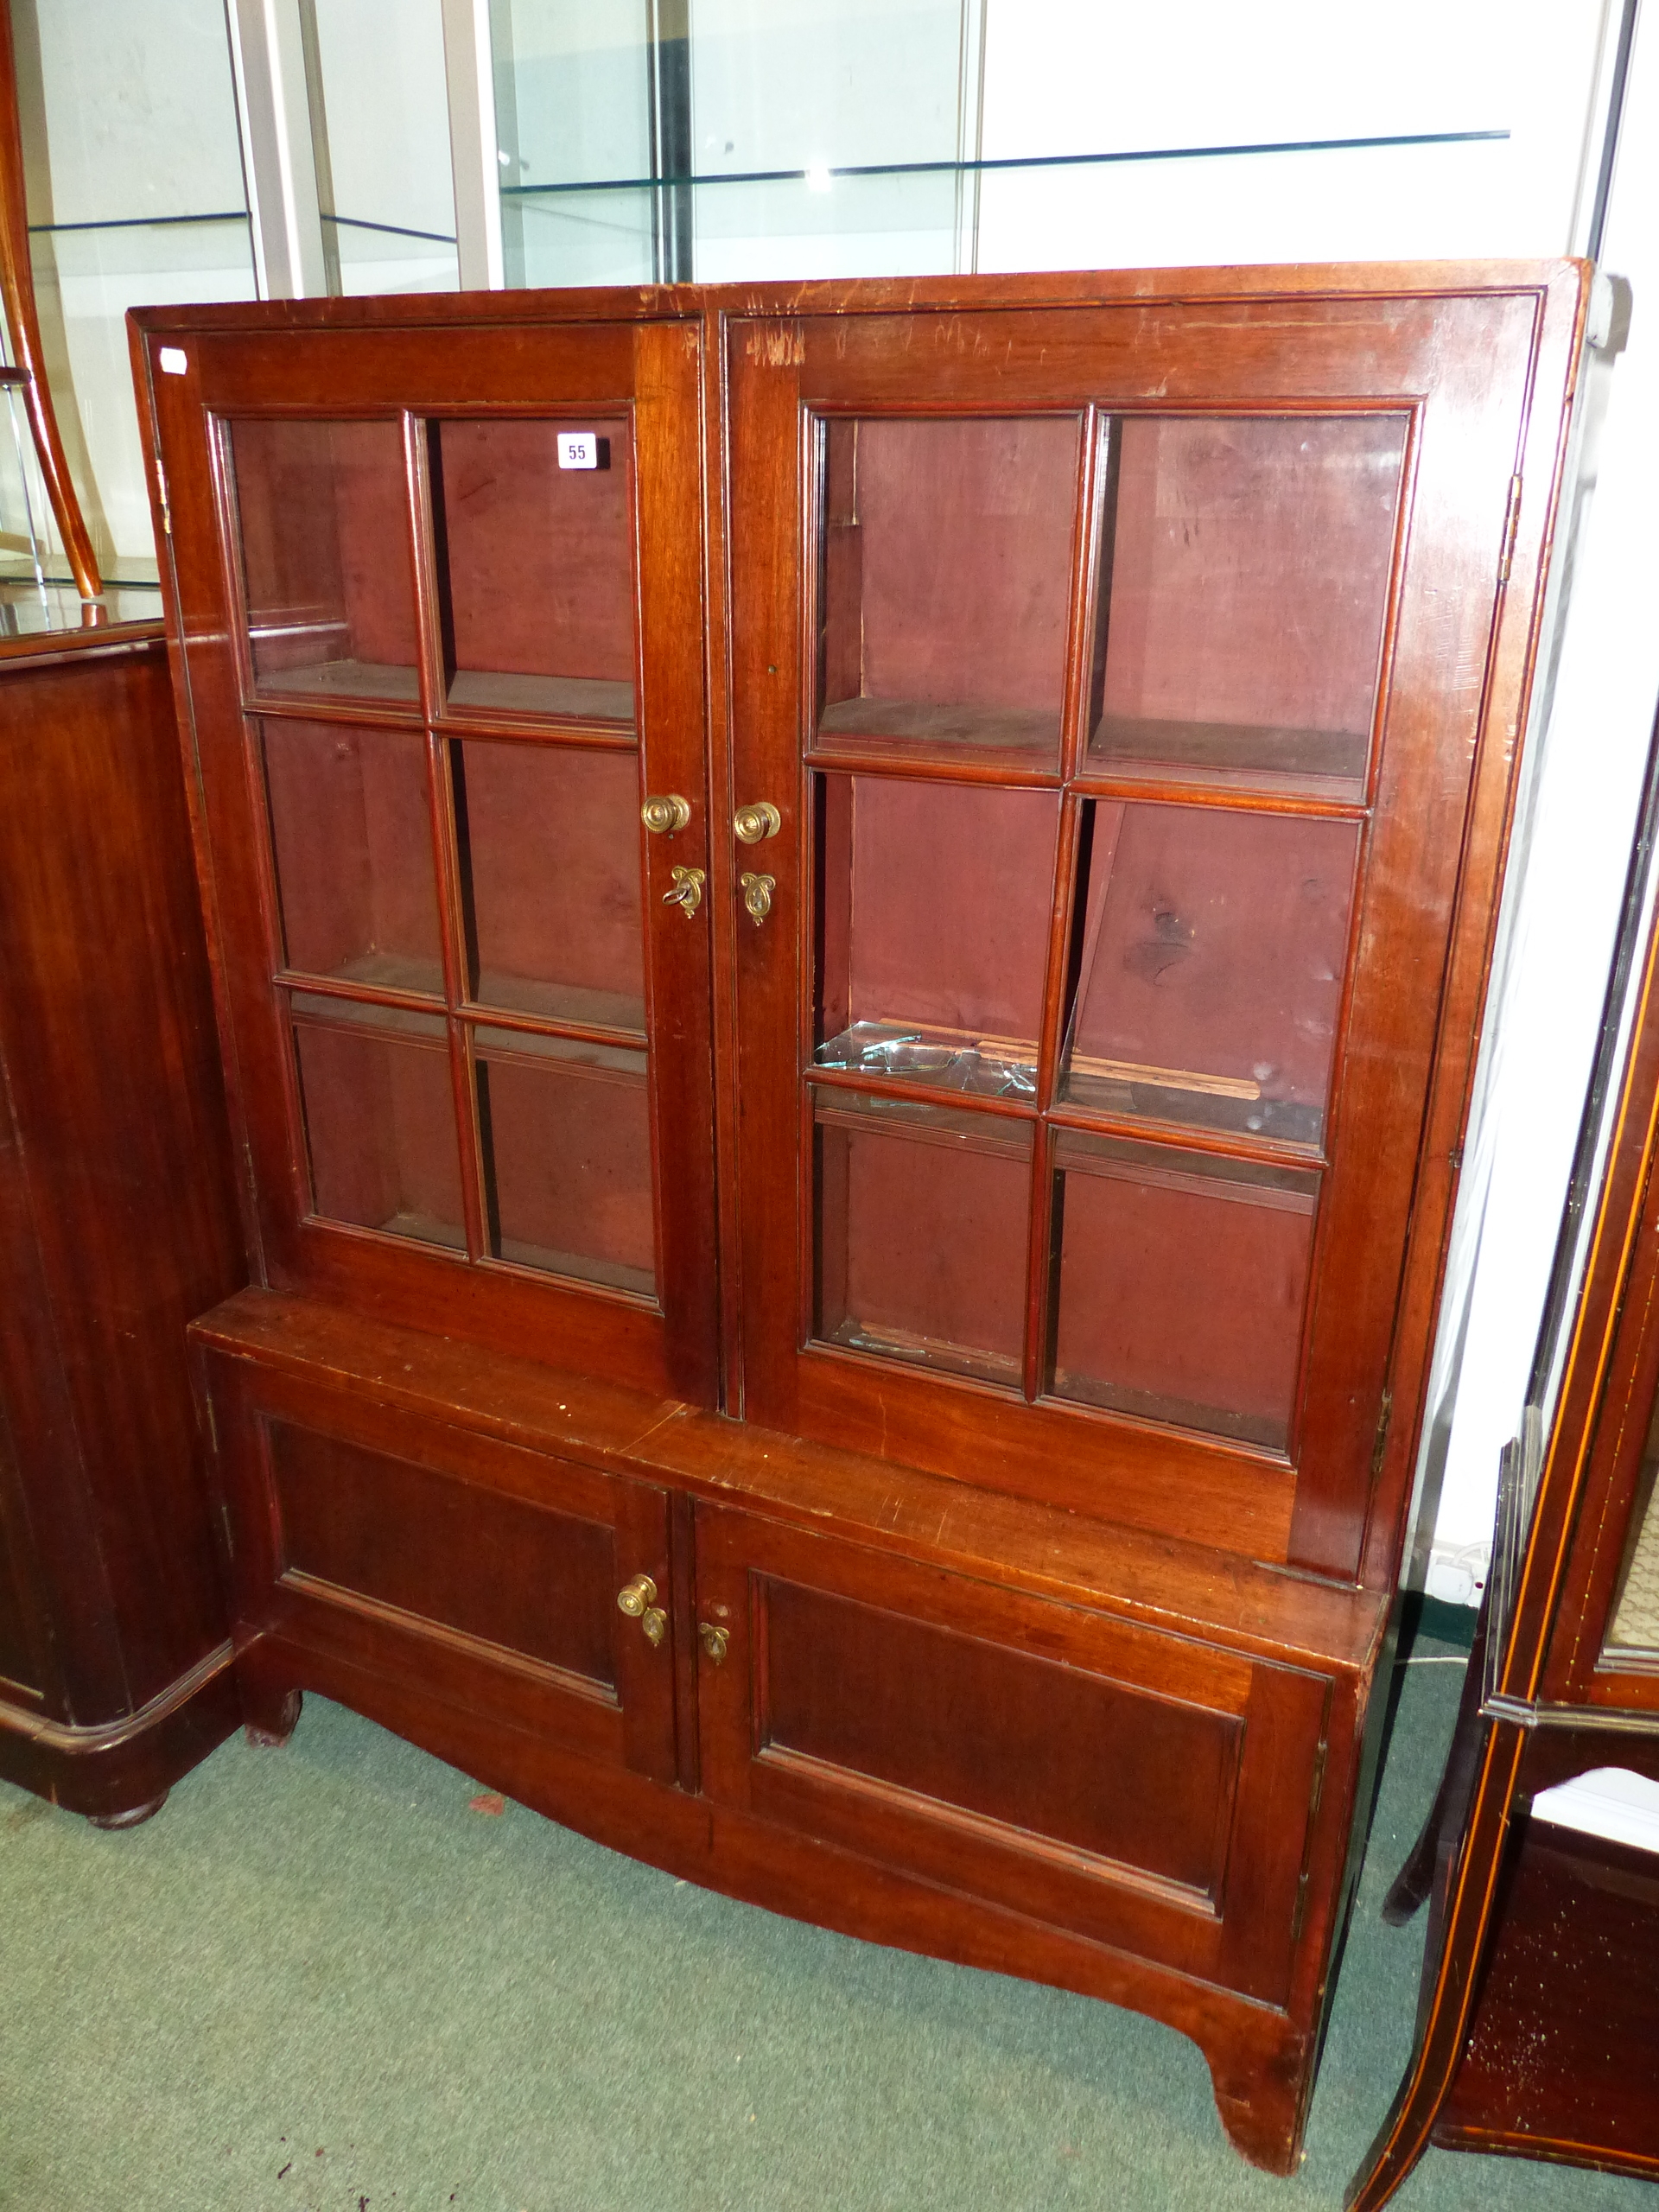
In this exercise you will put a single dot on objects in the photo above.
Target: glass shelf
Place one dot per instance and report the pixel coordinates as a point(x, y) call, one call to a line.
point(1180, 1282)
point(946, 568)
point(380, 1109)
point(1214, 944)
point(1242, 608)
point(536, 558)
point(934, 903)
point(322, 520)
point(352, 836)
point(922, 1230)
point(566, 1132)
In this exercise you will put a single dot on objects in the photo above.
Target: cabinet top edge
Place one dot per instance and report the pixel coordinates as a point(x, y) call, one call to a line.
point(1178, 1587)
point(1341, 280)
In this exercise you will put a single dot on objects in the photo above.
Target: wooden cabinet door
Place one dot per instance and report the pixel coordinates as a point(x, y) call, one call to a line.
point(1131, 681)
point(1141, 1790)
point(439, 591)
point(485, 1578)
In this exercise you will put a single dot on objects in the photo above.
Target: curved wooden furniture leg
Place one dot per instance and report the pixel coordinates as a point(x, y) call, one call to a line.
point(1262, 2114)
point(1416, 1878)
point(1450, 1974)
point(134, 1817)
point(271, 1715)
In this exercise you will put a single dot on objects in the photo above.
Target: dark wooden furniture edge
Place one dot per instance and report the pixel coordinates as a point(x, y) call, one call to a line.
point(119, 1767)
point(1174, 1585)
point(47, 646)
point(879, 295)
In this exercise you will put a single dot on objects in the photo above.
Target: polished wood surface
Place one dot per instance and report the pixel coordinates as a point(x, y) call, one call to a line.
point(1534, 2017)
point(1019, 1602)
point(116, 1225)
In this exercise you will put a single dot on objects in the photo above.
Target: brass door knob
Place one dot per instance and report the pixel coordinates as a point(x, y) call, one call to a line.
point(638, 1600)
point(753, 823)
point(664, 815)
point(757, 895)
point(687, 893)
point(714, 1641)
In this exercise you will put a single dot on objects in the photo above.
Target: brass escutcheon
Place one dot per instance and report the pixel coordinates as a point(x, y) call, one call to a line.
point(714, 1640)
point(687, 893)
point(753, 823)
point(666, 814)
point(757, 894)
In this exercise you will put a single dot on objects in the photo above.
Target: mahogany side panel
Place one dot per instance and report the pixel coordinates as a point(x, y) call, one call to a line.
point(116, 1221)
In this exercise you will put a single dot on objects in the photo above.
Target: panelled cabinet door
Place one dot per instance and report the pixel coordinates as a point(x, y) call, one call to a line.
point(1117, 682)
point(508, 1583)
point(1139, 1788)
point(441, 609)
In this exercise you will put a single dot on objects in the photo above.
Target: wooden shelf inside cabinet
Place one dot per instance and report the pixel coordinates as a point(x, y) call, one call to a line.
point(823, 895)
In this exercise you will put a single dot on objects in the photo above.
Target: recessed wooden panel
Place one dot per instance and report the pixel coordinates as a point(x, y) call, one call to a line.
point(1210, 986)
point(323, 515)
point(537, 567)
point(538, 1582)
point(379, 1119)
point(947, 553)
point(1045, 1749)
point(550, 844)
point(351, 836)
point(921, 1232)
point(1248, 575)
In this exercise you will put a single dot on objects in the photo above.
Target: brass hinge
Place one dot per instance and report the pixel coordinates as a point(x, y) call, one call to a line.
point(1382, 1444)
point(1319, 1758)
point(161, 494)
point(1297, 1917)
point(1511, 524)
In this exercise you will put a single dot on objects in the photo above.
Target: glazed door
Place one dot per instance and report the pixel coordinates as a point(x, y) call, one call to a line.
point(439, 591)
point(1116, 682)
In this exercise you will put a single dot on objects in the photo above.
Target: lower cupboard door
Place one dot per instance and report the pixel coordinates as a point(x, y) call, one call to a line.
point(471, 1573)
point(1139, 1788)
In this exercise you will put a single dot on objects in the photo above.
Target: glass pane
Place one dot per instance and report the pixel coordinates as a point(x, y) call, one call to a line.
point(550, 865)
point(934, 904)
point(1242, 623)
point(1182, 1279)
point(946, 582)
point(380, 1118)
point(566, 1148)
point(536, 527)
point(352, 831)
point(380, 138)
point(1211, 966)
point(325, 553)
point(922, 1232)
point(1635, 1615)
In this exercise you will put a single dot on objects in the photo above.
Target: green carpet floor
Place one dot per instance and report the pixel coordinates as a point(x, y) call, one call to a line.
point(318, 1982)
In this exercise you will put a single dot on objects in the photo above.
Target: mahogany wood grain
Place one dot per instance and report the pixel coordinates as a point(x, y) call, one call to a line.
point(924, 1573)
point(115, 1226)
point(1561, 2055)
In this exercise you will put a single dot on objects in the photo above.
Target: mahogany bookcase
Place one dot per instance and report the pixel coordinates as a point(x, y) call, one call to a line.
point(850, 923)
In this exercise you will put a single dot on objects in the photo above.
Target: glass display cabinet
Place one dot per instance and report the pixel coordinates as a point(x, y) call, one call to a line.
point(850, 924)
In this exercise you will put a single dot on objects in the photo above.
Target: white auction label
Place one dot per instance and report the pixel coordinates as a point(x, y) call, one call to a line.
point(174, 360)
point(578, 450)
